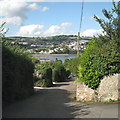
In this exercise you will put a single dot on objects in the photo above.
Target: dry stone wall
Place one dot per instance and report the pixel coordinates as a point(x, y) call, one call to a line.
point(84, 93)
point(109, 88)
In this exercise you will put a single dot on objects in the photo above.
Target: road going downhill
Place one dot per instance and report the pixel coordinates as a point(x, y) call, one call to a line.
point(57, 102)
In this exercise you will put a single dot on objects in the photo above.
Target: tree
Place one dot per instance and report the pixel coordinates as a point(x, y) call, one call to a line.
point(112, 26)
point(2, 30)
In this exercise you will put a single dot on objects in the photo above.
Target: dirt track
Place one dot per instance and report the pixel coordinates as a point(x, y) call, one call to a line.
point(57, 102)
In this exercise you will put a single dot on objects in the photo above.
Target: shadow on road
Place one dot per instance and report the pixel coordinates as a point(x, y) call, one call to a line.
point(46, 103)
point(58, 85)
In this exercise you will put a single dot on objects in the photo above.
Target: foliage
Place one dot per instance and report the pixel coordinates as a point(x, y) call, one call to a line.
point(35, 61)
point(112, 26)
point(17, 72)
point(2, 30)
point(56, 76)
point(91, 101)
point(74, 98)
point(68, 73)
point(65, 51)
point(47, 77)
point(102, 55)
point(100, 58)
point(72, 65)
point(112, 101)
point(58, 72)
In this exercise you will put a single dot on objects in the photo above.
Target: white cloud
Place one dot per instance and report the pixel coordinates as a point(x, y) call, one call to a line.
point(54, 29)
point(15, 11)
point(44, 9)
point(66, 24)
point(33, 6)
point(57, 29)
point(91, 18)
point(37, 30)
point(11, 8)
point(17, 21)
point(31, 30)
point(92, 32)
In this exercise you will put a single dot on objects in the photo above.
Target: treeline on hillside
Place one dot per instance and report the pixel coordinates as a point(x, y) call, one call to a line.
point(17, 73)
point(57, 38)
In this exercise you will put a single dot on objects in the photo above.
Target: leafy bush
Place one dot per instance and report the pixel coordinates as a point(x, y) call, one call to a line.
point(35, 61)
point(72, 65)
point(101, 58)
point(17, 73)
point(47, 75)
point(51, 71)
point(68, 73)
point(59, 72)
point(56, 76)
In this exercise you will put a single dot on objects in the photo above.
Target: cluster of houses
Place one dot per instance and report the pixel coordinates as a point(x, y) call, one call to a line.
point(71, 46)
point(51, 47)
point(74, 45)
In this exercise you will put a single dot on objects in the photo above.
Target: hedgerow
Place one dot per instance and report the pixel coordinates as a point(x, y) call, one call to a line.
point(17, 73)
point(101, 58)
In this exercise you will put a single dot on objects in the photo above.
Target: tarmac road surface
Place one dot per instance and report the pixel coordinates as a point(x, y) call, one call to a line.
point(57, 102)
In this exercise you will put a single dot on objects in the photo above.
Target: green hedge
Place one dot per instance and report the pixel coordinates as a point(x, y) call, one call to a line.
point(55, 72)
point(17, 73)
point(47, 77)
point(101, 58)
point(59, 73)
point(72, 65)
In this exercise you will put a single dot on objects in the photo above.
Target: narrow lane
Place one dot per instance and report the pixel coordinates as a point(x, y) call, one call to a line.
point(57, 102)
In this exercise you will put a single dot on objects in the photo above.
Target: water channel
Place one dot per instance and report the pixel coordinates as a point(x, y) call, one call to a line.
point(56, 57)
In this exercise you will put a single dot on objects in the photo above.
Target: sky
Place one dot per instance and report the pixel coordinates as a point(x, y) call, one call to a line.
point(41, 19)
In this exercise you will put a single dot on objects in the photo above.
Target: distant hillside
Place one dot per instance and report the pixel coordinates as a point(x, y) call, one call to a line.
point(59, 38)
point(44, 43)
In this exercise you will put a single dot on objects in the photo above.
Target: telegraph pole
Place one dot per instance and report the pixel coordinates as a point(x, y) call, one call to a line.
point(78, 39)
point(78, 46)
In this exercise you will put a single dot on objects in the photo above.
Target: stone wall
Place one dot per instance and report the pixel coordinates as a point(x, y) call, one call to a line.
point(84, 93)
point(109, 88)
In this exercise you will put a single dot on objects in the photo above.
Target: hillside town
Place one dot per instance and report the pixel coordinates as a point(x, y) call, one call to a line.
point(66, 46)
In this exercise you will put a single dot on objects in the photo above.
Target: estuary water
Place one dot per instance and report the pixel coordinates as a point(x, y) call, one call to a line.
point(56, 57)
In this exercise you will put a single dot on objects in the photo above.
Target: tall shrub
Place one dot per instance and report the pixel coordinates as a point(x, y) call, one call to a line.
point(59, 73)
point(71, 65)
point(47, 75)
point(17, 73)
point(102, 55)
point(101, 58)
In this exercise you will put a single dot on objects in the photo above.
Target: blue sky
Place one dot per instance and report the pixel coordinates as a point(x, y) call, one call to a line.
point(51, 18)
